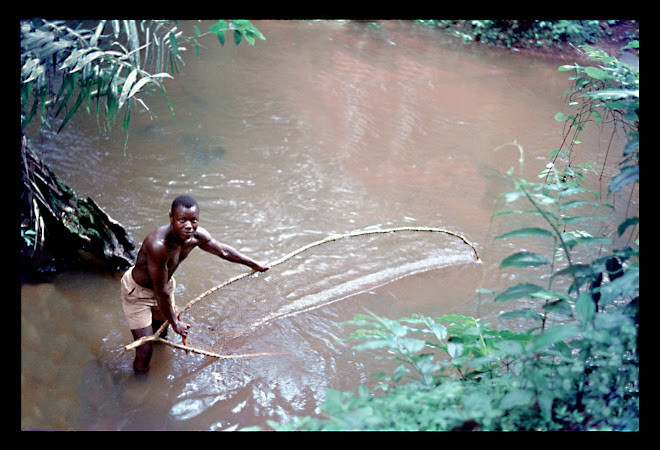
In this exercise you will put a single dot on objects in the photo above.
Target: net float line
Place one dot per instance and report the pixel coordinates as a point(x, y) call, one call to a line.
point(332, 238)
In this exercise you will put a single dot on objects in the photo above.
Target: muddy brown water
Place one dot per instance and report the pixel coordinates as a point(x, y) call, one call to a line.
point(325, 128)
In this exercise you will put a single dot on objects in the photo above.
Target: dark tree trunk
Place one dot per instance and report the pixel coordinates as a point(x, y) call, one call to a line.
point(77, 231)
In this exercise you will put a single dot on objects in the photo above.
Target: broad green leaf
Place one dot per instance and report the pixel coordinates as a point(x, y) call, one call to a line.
point(399, 372)
point(524, 259)
point(249, 37)
point(577, 190)
point(548, 294)
point(531, 231)
point(525, 313)
point(473, 331)
point(555, 334)
point(575, 219)
point(454, 349)
point(439, 330)
point(246, 28)
point(627, 223)
point(559, 117)
point(219, 30)
point(509, 347)
point(412, 345)
point(518, 291)
point(508, 211)
point(585, 308)
point(613, 94)
point(476, 362)
point(544, 199)
point(627, 175)
point(220, 26)
point(632, 144)
point(395, 327)
point(595, 72)
point(195, 44)
point(626, 286)
point(373, 344)
point(572, 241)
point(561, 307)
point(173, 43)
point(578, 203)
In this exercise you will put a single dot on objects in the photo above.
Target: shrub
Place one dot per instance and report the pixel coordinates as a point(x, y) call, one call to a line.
point(461, 374)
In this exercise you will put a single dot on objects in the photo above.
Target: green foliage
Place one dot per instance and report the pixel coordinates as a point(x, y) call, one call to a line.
point(458, 373)
point(582, 375)
point(526, 33)
point(66, 66)
point(609, 92)
point(108, 68)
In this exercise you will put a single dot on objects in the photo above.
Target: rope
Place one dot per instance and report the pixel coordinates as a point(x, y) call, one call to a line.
point(336, 237)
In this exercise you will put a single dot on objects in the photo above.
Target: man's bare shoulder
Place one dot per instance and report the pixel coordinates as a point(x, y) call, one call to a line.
point(202, 235)
point(155, 243)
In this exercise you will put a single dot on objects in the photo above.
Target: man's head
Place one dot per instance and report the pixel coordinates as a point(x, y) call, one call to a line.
point(184, 216)
point(183, 200)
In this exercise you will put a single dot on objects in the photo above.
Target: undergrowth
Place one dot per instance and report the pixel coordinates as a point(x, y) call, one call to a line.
point(459, 373)
point(528, 33)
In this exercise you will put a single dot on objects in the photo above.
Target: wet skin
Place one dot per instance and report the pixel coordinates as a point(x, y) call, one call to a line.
point(160, 255)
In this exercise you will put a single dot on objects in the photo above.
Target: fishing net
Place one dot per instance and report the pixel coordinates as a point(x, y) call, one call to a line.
point(316, 275)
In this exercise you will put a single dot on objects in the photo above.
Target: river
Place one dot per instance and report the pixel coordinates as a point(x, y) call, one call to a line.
point(326, 127)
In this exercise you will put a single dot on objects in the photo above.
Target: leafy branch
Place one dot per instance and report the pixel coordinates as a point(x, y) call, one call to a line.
point(110, 65)
point(608, 92)
point(108, 68)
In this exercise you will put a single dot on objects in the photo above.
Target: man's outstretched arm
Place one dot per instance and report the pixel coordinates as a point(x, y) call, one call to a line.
point(228, 253)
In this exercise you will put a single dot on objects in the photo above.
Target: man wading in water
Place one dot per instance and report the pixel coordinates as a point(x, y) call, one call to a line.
point(147, 289)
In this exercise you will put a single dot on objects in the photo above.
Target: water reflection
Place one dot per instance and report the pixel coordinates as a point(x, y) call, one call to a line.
point(326, 127)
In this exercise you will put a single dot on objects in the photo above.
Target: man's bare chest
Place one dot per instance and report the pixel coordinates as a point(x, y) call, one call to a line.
point(178, 254)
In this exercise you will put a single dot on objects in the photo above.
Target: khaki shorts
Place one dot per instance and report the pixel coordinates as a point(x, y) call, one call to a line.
point(139, 303)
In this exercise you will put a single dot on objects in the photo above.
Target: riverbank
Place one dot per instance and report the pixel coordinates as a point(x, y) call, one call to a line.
point(613, 37)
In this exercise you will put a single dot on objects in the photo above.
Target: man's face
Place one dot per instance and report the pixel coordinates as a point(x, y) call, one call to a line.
point(184, 221)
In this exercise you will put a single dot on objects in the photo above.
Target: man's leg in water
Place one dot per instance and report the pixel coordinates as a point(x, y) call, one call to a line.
point(143, 352)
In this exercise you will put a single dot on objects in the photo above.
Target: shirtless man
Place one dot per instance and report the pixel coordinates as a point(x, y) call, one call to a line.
point(147, 289)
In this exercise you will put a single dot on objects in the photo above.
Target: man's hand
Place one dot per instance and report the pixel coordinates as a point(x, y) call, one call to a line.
point(261, 267)
point(181, 328)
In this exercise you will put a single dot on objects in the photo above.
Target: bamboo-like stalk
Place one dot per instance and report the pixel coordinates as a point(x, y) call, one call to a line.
point(200, 351)
point(156, 335)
